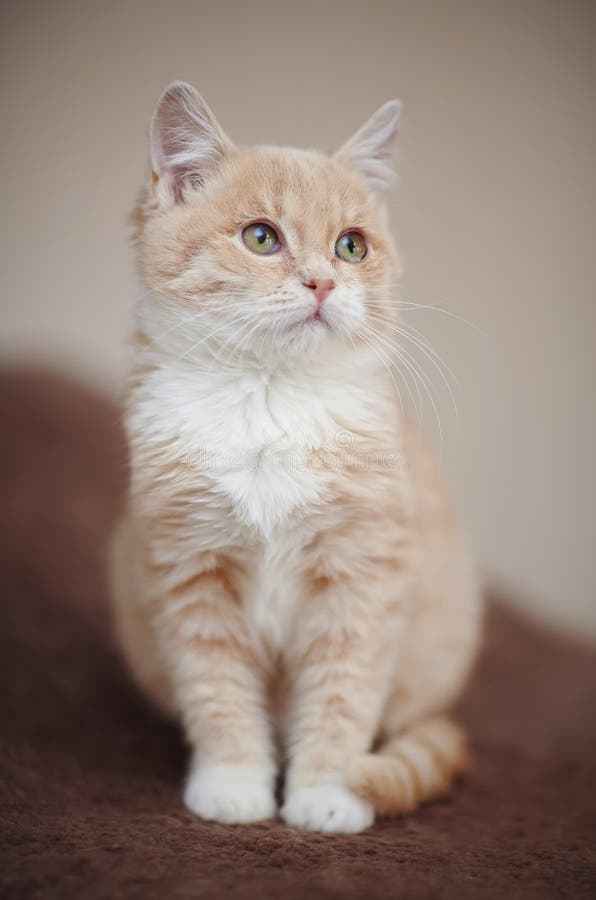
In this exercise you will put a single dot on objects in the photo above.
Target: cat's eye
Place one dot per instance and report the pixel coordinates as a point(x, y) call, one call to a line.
point(351, 247)
point(261, 238)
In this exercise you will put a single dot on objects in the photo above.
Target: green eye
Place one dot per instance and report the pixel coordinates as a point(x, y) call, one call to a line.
point(261, 238)
point(351, 247)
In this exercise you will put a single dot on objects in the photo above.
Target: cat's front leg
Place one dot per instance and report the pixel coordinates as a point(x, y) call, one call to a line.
point(219, 691)
point(340, 668)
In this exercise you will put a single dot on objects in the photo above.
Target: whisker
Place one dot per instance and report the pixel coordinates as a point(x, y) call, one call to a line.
point(395, 361)
point(408, 305)
point(428, 352)
point(205, 339)
point(408, 359)
point(387, 366)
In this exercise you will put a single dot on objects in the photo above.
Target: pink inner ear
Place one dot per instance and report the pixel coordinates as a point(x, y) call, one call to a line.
point(186, 141)
point(369, 150)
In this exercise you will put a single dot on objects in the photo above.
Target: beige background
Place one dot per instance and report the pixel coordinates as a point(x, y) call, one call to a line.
point(496, 211)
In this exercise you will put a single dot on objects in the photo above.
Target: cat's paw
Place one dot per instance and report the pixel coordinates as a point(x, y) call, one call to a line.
point(329, 808)
point(229, 794)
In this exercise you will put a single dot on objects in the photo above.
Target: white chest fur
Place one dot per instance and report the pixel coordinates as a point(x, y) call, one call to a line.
point(253, 434)
point(251, 437)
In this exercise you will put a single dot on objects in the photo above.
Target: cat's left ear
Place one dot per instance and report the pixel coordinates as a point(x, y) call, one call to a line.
point(187, 143)
point(369, 150)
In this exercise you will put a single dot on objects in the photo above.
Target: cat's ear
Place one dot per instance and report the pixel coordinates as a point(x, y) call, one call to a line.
point(187, 143)
point(369, 150)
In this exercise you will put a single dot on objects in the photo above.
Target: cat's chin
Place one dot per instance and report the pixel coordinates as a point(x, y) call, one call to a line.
point(306, 339)
point(304, 350)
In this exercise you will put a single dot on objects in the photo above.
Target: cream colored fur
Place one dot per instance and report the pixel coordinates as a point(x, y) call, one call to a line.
point(288, 577)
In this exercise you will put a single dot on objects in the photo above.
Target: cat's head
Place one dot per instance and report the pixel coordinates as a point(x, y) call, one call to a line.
point(263, 253)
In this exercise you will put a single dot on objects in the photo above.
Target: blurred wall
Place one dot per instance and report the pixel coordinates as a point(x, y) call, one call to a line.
point(496, 212)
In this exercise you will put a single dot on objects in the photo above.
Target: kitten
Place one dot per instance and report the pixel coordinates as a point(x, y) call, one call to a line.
point(288, 577)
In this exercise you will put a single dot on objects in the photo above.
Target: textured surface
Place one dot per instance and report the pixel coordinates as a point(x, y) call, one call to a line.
point(90, 778)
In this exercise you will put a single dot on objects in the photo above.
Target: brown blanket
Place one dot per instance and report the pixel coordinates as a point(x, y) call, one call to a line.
point(90, 777)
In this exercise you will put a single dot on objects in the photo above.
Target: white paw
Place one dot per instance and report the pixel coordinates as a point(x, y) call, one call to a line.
point(229, 794)
point(328, 807)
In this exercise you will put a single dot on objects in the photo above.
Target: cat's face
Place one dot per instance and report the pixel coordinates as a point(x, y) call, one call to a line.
point(267, 253)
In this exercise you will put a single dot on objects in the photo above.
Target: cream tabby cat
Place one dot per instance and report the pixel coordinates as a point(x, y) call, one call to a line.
point(289, 579)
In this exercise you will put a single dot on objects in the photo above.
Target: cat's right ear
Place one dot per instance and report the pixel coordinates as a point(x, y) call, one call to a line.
point(369, 151)
point(187, 143)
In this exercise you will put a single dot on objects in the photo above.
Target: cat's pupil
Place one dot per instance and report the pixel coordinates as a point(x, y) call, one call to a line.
point(261, 235)
point(351, 244)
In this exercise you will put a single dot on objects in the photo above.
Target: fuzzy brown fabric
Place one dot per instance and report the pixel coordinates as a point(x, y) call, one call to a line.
point(91, 778)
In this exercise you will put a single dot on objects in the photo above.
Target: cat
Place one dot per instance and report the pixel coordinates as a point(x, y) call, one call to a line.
point(289, 580)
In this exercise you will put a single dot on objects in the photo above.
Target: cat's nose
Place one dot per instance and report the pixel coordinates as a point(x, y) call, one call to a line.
point(321, 287)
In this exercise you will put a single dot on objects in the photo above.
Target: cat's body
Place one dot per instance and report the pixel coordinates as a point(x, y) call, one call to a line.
point(289, 580)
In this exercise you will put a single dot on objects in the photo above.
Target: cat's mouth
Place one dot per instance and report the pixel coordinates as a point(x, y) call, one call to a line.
point(314, 319)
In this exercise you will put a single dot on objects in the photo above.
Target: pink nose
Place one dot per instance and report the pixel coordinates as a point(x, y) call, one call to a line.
point(321, 287)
